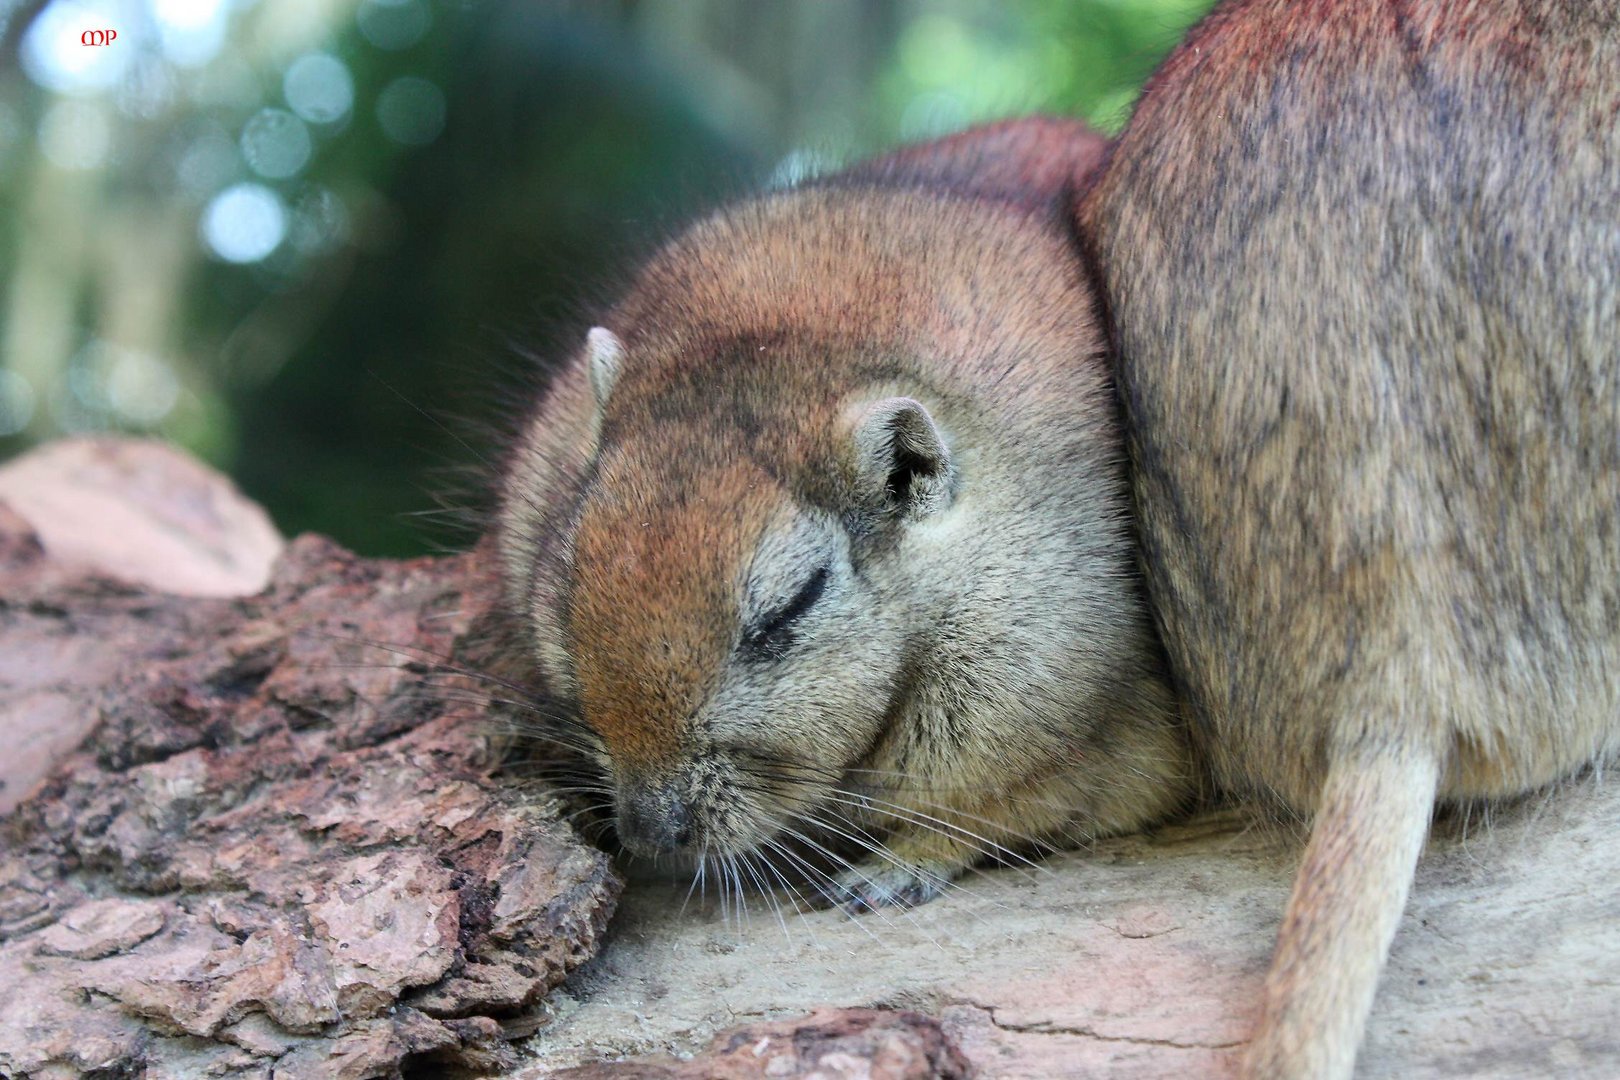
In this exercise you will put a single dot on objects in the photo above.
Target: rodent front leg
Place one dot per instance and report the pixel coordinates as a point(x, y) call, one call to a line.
point(915, 857)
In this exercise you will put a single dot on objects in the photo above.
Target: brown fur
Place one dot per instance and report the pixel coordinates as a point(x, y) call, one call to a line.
point(995, 671)
point(667, 545)
point(1361, 261)
point(1034, 162)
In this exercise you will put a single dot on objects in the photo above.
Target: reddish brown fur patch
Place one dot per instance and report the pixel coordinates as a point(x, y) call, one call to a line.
point(1029, 162)
point(660, 571)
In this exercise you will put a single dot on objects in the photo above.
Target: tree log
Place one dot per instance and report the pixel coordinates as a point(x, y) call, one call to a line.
point(266, 837)
point(262, 835)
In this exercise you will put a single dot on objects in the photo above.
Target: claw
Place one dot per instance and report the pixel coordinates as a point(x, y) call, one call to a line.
point(889, 887)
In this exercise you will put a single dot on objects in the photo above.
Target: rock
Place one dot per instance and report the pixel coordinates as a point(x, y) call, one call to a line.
point(269, 839)
point(101, 928)
point(142, 512)
point(130, 511)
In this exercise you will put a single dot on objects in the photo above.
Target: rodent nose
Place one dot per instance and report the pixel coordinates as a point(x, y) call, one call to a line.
point(653, 821)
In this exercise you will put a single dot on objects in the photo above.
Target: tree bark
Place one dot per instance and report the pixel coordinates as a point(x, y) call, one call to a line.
point(266, 836)
point(261, 835)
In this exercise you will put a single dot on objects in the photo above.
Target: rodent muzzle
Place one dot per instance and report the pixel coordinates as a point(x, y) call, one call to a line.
point(653, 821)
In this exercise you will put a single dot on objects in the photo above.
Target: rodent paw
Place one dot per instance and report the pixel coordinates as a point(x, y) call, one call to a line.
point(869, 889)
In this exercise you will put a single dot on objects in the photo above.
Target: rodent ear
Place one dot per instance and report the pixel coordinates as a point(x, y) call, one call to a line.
point(902, 458)
point(605, 358)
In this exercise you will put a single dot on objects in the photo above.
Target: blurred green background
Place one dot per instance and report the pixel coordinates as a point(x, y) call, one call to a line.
point(323, 244)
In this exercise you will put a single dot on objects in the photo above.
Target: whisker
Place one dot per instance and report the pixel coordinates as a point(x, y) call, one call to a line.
point(942, 883)
point(420, 654)
point(966, 837)
point(745, 917)
point(770, 897)
point(1037, 841)
point(697, 875)
point(880, 912)
point(833, 887)
point(812, 872)
point(797, 898)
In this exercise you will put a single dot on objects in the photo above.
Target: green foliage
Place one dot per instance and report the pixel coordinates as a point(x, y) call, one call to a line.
point(437, 229)
point(967, 63)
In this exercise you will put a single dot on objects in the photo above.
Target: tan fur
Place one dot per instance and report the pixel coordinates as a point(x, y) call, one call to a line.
point(1362, 266)
point(978, 671)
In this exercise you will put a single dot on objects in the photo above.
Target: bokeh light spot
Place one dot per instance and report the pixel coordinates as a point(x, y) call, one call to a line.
point(936, 50)
point(148, 90)
point(55, 58)
point(11, 127)
point(75, 134)
point(228, 83)
point(186, 14)
point(798, 166)
point(72, 415)
point(320, 222)
point(275, 144)
point(141, 388)
point(319, 88)
point(928, 116)
point(193, 31)
point(244, 223)
point(411, 111)
point(209, 160)
point(86, 379)
point(393, 24)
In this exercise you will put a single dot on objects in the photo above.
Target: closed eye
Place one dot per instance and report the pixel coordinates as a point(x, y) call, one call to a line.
point(773, 635)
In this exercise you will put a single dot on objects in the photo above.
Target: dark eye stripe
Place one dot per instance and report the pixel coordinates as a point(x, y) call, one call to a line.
point(774, 633)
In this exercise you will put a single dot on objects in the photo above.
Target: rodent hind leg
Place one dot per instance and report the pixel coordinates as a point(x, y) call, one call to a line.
point(1371, 823)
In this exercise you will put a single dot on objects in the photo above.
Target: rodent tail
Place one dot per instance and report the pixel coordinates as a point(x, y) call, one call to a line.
point(1371, 823)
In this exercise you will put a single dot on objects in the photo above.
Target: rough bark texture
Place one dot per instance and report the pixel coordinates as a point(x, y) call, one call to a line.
point(262, 843)
point(250, 844)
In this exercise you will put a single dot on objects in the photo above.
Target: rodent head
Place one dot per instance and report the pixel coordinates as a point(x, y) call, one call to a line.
point(736, 632)
point(840, 493)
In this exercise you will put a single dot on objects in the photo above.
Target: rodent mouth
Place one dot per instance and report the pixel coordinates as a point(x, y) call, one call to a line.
point(793, 815)
point(799, 834)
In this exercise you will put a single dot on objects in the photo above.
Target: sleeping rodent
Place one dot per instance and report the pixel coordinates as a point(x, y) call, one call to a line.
point(1362, 263)
point(831, 520)
point(823, 532)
